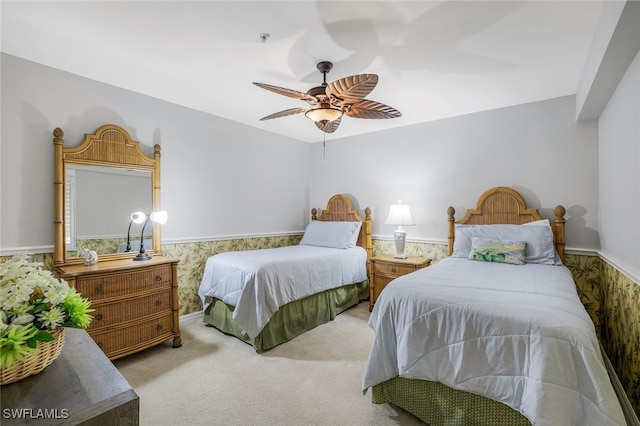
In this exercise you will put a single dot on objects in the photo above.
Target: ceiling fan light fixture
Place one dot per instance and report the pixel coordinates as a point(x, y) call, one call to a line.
point(323, 114)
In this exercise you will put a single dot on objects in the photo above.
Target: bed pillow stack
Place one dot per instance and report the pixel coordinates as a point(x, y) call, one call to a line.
point(341, 235)
point(538, 240)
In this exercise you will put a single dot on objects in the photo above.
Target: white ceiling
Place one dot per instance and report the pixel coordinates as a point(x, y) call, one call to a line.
point(434, 59)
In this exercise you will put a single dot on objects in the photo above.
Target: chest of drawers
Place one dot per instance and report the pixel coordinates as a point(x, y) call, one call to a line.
point(385, 268)
point(135, 302)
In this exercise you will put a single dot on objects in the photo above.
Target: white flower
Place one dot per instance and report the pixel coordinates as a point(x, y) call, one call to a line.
point(52, 318)
point(55, 295)
point(4, 321)
point(22, 319)
point(20, 309)
point(10, 303)
point(22, 293)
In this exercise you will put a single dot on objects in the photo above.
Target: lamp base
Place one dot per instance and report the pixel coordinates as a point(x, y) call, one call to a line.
point(400, 236)
point(142, 256)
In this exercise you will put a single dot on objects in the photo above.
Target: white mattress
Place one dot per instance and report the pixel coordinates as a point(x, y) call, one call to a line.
point(517, 334)
point(259, 282)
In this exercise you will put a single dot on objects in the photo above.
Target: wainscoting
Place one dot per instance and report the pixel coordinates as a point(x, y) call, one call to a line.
point(611, 298)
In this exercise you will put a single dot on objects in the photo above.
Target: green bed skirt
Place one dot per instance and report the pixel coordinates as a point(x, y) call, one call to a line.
point(292, 319)
point(440, 405)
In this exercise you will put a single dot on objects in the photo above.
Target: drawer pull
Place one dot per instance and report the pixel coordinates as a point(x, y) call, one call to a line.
point(159, 302)
point(393, 270)
point(159, 327)
point(158, 278)
point(99, 288)
point(99, 317)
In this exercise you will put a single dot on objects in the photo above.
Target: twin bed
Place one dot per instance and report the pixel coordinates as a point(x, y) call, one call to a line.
point(495, 334)
point(267, 297)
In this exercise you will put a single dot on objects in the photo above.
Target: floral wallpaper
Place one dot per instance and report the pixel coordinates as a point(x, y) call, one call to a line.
point(611, 299)
point(430, 251)
point(621, 328)
point(193, 257)
point(101, 245)
point(586, 274)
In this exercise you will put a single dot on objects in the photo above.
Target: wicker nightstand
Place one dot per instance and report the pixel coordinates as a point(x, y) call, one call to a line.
point(386, 268)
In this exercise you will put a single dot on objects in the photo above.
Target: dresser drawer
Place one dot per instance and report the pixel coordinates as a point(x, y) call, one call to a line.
point(117, 312)
point(392, 269)
point(98, 287)
point(124, 340)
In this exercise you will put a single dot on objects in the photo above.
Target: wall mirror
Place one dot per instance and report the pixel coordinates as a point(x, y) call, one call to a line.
point(97, 186)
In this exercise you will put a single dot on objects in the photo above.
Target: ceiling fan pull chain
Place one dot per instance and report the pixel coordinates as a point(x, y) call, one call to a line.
point(324, 146)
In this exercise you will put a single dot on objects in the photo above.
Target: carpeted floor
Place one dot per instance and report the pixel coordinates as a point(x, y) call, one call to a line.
point(214, 379)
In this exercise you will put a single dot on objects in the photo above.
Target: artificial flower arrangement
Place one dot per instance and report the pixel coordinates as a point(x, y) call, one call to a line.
point(33, 301)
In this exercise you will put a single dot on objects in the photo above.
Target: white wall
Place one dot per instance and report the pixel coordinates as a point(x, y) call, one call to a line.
point(219, 178)
point(619, 185)
point(537, 148)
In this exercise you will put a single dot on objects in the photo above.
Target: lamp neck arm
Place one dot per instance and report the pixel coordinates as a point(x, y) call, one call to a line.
point(142, 235)
point(129, 237)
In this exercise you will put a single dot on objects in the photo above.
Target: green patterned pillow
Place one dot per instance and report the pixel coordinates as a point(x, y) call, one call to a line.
point(501, 251)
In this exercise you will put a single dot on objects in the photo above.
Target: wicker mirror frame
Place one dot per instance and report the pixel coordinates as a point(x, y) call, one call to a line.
point(109, 146)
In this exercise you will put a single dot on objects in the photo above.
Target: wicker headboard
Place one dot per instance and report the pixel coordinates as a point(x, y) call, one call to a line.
point(505, 205)
point(340, 209)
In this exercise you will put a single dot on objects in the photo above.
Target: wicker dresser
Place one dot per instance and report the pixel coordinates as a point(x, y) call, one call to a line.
point(135, 302)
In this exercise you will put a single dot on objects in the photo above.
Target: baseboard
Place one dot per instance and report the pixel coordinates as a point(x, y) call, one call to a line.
point(191, 316)
point(629, 413)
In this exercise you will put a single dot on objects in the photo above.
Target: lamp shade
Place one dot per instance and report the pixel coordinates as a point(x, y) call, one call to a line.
point(159, 217)
point(400, 214)
point(323, 114)
point(138, 217)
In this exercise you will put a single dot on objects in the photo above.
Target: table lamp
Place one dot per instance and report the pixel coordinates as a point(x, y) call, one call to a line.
point(400, 215)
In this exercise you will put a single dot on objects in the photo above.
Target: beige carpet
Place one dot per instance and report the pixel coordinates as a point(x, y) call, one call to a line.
point(214, 379)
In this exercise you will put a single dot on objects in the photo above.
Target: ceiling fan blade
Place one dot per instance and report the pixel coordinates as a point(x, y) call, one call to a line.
point(286, 92)
point(286, 112)
point(371, 109)
point(329, 126)
point(352, 89)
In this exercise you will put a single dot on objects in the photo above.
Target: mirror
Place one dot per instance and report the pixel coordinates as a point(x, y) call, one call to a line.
point(102, 200)
point(98, 185)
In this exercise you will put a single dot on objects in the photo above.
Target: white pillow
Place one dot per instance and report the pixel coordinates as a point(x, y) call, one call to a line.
point(540, 222)
point(356, 234)
point(545, 222)
point(340, 235)
point(539, 240)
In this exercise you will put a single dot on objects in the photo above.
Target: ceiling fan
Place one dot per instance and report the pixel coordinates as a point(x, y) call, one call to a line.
point(329, 102)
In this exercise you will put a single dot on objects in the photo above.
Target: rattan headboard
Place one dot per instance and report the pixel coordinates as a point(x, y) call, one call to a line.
point(340, 209)
point(505, 205)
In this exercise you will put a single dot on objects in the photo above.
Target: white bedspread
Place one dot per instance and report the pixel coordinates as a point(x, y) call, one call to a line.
point(259, 282)
point(515, 334)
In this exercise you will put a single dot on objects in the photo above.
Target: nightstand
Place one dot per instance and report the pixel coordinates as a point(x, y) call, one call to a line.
point(386, 268)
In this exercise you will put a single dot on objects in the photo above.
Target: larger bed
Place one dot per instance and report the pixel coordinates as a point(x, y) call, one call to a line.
point(267, 297)
point(495, 334)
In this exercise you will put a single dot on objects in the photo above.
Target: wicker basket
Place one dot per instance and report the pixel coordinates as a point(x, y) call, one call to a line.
point(34, 362)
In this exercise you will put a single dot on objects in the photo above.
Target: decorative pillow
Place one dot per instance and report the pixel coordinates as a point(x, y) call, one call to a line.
point(501, 251)
point(340, 235)
point(539, 240)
